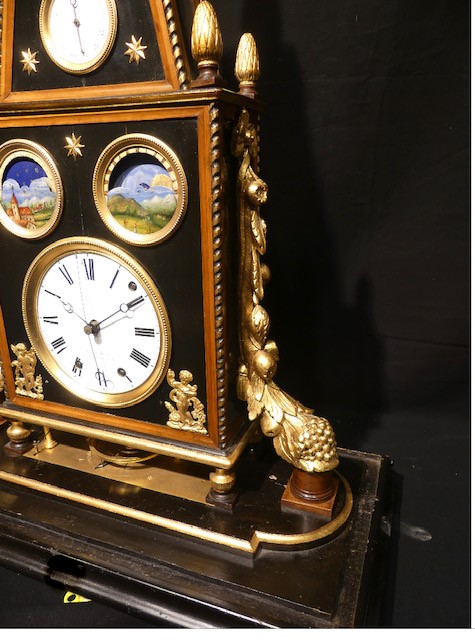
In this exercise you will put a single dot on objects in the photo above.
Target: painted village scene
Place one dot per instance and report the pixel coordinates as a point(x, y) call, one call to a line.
point(27, 196)
point(142, 197)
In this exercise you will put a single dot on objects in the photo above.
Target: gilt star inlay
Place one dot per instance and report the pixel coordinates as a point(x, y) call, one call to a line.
point(74, 145)
point(29, 61)
point(136, 50)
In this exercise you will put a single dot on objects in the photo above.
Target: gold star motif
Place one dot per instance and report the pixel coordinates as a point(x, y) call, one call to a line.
point(136, 50)
point(74, 146)
point(29, 61)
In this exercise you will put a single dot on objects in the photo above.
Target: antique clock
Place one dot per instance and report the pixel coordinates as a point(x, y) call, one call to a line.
point(136, 365)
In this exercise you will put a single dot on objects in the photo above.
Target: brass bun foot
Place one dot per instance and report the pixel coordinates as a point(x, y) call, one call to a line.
point(314, 492)
point(222, 493)
point(20, 439)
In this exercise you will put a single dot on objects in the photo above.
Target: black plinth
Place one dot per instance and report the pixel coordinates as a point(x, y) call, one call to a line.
point(171, 579)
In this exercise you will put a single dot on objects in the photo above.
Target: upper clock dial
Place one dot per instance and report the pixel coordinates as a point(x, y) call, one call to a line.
point(96, 321)
point(78, 34)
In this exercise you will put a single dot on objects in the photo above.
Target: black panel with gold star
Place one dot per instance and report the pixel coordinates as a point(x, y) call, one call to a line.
point(53, 48)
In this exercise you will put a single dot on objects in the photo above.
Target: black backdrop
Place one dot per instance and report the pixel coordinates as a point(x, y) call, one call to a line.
point(365, 148)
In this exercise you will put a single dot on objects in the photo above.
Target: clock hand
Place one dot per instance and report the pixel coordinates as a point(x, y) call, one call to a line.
point(68, 307)
point(77, 24)
point(94, 326)
point(100, 374)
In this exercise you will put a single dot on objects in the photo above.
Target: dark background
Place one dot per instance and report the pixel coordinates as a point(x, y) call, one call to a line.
point(365, 149)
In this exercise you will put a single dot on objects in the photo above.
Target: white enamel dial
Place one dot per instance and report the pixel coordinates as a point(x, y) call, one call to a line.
point(96, 321)
point(78, 34)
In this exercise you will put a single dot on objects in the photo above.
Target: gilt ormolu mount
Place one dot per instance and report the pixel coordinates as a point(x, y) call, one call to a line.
point(158, 230)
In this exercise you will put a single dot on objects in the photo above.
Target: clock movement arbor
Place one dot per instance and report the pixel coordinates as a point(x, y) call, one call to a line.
point(137, 367)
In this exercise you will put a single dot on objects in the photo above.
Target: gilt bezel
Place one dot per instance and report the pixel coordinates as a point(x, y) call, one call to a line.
point(55, 54)
point(125, 147)
point(32, 283)
point(18, 150)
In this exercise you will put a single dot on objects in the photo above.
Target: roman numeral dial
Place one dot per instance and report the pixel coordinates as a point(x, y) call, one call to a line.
point(140, 358)
point(97, 321)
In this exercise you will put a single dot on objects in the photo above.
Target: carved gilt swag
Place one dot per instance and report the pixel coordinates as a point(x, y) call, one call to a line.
point(304, 440)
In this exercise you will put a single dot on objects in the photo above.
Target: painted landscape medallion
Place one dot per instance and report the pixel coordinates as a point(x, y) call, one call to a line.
point(142, 197)
point(30, 189)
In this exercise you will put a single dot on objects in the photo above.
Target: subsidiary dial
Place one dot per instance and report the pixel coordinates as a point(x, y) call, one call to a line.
point(78, 35)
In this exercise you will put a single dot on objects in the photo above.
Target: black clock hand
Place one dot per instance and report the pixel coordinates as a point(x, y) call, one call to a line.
point(94, 327)
point(68, 307)
point(132, 304)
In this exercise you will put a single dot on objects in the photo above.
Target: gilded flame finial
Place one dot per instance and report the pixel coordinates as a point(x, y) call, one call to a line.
point(247, 69)
point(206, 44)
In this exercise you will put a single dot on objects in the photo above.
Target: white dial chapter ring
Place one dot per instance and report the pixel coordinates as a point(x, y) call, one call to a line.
point(115, 350)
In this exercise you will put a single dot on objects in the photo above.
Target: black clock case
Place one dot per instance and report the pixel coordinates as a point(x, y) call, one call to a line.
point(186, 266)
point(170, 578)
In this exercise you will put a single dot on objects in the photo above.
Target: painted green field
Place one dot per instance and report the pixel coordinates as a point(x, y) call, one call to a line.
point(139, 224)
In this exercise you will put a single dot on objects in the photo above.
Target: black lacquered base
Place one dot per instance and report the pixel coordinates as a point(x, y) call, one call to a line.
point(173, 578)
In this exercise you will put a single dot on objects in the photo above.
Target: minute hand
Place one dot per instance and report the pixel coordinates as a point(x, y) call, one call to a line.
point(94, 326)
point(76, 23)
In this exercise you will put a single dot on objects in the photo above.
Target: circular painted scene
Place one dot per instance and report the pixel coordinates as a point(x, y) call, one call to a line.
point(140, 191)
point(31, 193)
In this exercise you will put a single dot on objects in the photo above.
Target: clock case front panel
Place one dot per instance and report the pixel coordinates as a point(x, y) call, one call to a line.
point(163, 69)
point(184, 268)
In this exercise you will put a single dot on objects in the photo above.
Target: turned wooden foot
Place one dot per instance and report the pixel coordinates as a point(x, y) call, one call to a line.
point(314, 492)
